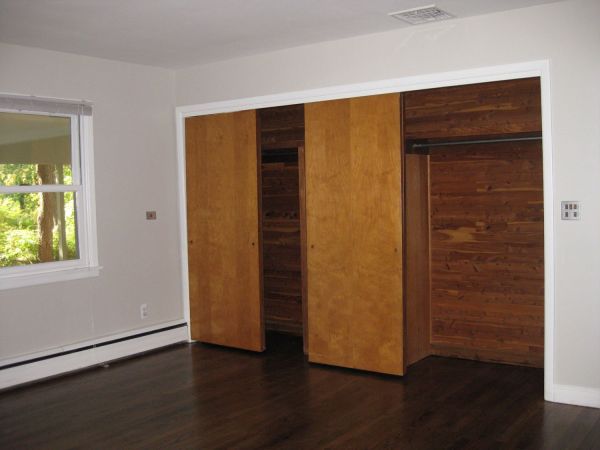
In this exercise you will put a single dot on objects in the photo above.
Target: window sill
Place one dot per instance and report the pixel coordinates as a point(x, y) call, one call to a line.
point(14, 281)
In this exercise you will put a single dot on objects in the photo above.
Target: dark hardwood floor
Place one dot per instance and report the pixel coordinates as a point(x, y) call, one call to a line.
point(200, 396)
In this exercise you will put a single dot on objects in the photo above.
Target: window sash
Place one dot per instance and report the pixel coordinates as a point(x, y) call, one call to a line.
point(76, 143)
point(82, 241)
point(81, 135)
point(40, 188)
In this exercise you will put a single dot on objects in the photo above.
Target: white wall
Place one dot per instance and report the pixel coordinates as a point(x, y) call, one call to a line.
point(567, 34)
point(134, 144)
point(136, 164)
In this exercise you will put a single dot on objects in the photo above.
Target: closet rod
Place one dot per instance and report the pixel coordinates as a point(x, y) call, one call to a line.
point(478, 141)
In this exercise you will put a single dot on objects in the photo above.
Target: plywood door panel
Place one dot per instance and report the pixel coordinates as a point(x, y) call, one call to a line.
point(223, 230)
point(354, 233)
point(487, 252)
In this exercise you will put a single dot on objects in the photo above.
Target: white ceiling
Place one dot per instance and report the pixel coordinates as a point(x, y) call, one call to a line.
point(180, 33)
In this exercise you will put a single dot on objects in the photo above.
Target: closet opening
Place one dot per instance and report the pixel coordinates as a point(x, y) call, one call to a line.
point(474, 215)
point(282, 216)
point(426, 227)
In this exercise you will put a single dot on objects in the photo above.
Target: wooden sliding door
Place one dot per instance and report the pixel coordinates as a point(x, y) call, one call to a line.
point(223, 230)
point(354, 233)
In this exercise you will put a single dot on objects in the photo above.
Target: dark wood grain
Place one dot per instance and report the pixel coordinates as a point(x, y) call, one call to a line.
point(201, 396)
point(487, 252)
point(281, 134)
point(475, 110)
point(282, 127)
point(281, 246)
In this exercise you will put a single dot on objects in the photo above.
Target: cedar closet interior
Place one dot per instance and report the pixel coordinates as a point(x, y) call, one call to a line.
point(382, 229)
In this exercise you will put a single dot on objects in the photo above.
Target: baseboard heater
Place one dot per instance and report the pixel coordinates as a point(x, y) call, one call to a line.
point(90, 354)
point(89, 347)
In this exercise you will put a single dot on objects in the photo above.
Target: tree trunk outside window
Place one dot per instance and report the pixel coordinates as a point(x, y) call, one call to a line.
point(46, 217)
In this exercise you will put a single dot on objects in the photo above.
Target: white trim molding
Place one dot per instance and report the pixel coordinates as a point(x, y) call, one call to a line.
point(577, 395)
point(65, 273)
point(477, 75)
point(86, 265)
point(182, 204)
point(89, 353)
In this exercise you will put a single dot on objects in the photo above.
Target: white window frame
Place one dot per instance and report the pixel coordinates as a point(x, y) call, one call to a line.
point(83, 186)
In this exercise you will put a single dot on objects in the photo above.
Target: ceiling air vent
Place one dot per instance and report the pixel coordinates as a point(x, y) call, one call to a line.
point(423, 14)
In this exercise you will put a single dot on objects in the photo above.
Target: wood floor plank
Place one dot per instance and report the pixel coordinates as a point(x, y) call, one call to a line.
point(203, 396)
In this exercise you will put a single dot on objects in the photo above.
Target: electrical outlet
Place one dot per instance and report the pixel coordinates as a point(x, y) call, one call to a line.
point(150, 215)
point(570, 210)
point(143, 310)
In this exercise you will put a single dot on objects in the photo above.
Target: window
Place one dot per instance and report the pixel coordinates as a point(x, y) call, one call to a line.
point(47, 219)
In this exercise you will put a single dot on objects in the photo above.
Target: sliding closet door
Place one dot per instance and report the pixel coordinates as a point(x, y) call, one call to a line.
point(354, 233)
point(223, 230)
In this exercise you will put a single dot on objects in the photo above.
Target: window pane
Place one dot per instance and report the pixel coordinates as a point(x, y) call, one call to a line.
point(34, 149)
point(39, 227)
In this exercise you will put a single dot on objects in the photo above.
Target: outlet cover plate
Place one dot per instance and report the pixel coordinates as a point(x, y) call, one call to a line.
point(570, 210)
point(144, 310)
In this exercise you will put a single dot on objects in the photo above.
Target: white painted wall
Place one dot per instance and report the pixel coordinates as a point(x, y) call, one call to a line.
point(136, 163)
point(567, 34)
point(134, 145)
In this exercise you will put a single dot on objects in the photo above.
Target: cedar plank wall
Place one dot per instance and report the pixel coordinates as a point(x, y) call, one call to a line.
point(486, 220)
point(477, 110)
point(487, 252)
point(281, 128)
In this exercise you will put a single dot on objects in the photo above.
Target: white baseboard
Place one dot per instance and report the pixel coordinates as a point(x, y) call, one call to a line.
point(576, 395)
point(130, 344)
point(102, 351)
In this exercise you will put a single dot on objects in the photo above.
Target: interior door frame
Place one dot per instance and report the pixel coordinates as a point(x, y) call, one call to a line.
point(538, 68)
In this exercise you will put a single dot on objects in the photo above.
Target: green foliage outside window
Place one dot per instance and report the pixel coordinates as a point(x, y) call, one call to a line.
point(19, 216)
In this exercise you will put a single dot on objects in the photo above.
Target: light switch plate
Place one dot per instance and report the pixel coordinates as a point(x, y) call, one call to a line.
point(570, 210)
point(150, 215)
